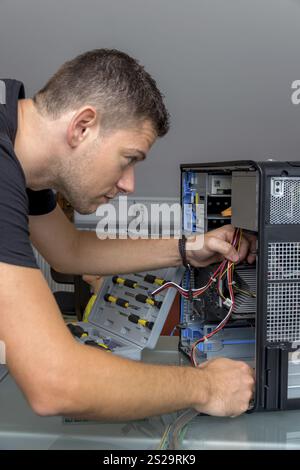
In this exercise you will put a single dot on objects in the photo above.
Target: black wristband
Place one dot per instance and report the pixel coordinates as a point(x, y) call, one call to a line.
point(182, 251)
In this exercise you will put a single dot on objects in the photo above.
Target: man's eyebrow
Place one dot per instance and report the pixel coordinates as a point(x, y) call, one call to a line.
point(136, 152)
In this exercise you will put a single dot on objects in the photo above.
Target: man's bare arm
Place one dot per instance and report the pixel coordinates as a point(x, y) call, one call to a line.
point(77, 252)
point(60, 376)
point(55, 237)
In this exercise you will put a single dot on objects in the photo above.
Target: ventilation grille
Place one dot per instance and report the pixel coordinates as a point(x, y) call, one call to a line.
point(245, 290)
point(284, 261)
point(285, 201)
point(283, 312)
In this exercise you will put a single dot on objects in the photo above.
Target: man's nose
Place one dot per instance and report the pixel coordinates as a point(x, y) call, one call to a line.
point(126, 182)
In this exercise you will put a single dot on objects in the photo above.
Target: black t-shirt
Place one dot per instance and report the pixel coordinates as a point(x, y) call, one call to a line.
point(16, 201)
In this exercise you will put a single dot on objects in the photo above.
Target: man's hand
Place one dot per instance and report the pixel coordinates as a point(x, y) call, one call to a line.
point(230, 387)
point(214, 246)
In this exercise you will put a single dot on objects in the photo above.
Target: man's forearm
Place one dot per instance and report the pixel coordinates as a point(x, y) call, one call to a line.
point(95, 256)
point(109, 387)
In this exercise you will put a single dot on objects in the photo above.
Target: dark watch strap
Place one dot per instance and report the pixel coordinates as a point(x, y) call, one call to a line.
point(182, 251)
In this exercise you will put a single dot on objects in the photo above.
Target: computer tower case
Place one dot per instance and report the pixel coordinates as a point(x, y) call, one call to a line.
point(264, 330)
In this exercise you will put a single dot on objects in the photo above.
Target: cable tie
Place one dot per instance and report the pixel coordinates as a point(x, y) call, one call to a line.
point(213, 279)
point(228, 302)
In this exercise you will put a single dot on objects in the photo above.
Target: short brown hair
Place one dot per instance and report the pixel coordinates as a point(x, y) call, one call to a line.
point(111, 81)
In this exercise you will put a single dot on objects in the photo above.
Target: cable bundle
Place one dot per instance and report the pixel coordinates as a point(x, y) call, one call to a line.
point(225, 268)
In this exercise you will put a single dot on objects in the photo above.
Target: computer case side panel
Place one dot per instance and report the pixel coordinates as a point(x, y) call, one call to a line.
point(278, 302)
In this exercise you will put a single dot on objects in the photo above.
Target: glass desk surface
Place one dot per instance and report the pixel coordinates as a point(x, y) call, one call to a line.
point(20, 428)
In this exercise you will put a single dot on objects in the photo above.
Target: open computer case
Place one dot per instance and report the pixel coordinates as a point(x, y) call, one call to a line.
point(262, 198)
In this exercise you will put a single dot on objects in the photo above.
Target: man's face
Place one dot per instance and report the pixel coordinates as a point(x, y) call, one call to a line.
point(97, 171)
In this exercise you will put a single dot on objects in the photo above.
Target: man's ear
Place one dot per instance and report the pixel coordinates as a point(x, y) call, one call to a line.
point(82, 124)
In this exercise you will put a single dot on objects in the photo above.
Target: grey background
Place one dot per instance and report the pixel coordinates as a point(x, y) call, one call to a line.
point(225, 67)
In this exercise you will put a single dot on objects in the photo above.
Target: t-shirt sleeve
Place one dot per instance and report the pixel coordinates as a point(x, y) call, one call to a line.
point(15, 246)
point(41, 202)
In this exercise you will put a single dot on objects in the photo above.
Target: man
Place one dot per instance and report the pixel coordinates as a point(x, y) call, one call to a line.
point(81, 135)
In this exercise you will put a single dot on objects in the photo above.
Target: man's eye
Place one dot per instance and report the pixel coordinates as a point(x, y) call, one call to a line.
point(131, 160)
